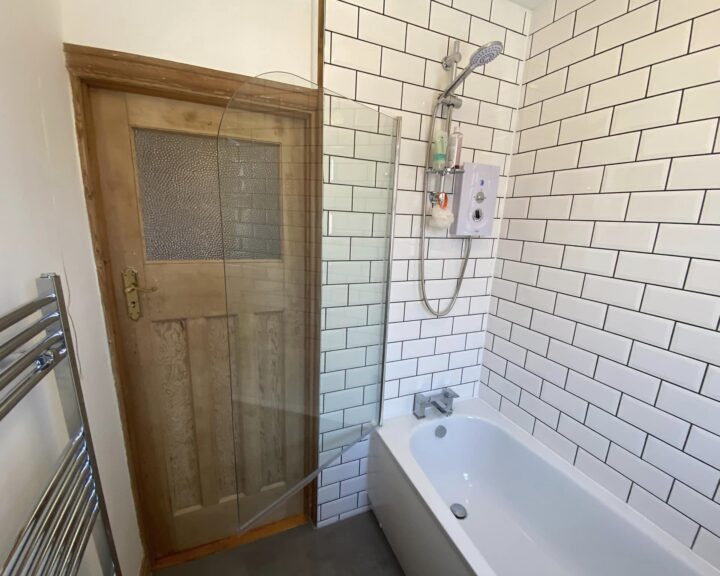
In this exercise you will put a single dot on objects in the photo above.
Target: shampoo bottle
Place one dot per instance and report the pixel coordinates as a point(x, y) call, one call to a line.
point(439, 151)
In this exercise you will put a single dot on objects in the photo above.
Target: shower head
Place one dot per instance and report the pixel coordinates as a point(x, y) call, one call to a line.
point(483, 55)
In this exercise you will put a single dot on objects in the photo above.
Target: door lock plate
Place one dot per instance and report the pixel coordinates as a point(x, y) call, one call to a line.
point(132, 291)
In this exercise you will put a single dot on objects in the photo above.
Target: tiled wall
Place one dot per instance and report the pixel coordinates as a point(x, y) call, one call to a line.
point(603, 335)
point(386, 54)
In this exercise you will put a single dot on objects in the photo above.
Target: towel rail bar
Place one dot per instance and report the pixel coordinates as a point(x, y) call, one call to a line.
point(35, 340)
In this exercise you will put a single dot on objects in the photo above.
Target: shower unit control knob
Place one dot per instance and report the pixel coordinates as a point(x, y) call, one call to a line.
point(473, 200)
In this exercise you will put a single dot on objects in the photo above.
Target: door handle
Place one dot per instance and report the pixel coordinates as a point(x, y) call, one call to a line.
point(132, 290)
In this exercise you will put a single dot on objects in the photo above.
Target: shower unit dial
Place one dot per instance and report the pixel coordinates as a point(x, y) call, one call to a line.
point(474, 200)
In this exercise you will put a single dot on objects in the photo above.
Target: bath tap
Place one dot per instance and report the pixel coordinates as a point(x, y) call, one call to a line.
point(441, 401)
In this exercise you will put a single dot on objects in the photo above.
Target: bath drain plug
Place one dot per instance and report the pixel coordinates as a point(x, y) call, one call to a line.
point(459, 511)
point(440, 431)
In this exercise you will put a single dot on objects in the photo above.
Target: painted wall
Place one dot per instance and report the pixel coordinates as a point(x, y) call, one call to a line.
point(387, 55)
point(603, 335)
point(43, 228)
point(243, 37)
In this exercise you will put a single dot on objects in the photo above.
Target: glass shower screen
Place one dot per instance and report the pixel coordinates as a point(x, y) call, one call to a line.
point(305, 183)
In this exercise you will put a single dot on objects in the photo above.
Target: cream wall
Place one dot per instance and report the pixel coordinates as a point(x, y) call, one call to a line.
point(43, 228)
point(236, 36)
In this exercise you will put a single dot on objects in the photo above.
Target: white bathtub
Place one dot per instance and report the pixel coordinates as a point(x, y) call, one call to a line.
point(530, 513)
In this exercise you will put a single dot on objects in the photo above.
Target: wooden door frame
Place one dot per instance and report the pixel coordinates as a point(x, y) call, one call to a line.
point(99, 68)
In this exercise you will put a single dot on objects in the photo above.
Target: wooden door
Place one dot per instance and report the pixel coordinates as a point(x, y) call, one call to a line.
point(214, 368)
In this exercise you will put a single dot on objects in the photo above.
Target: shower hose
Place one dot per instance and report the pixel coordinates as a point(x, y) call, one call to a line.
point(466, 241)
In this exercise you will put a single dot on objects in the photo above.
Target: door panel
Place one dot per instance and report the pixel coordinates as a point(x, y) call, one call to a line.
point(214, 369)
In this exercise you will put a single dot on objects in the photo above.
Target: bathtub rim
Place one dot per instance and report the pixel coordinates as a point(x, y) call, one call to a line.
point(395, 433)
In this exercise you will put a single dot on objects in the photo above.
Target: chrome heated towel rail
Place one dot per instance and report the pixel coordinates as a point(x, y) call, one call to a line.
point(34, 341)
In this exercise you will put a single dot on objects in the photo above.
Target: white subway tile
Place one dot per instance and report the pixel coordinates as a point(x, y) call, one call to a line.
point(504, 387)
point(535, 67)
point(639, 471)
point(656, 422)
point(590, 260)
point(603, 474)
point(547, 369)
point(696, 342)
point(681, 466)
point(508, 14)
point(401, 66)
point(355, 54)
point(536, 297)
point(663, 270)
point(680, 206)
point(613, 291)
point(578, 181)
point(594, 69)
point(382, 30)
point(625, 236)
point(704, 276)
point(680, 140)
point(704, 446)
point(564, 7)
point(602, 343)
point(414, 11)
point(701, 102)
point(550, 207)
point(583, 436)
point(552, 35)
point(594, 392)
point(555, 441)
point(575, 233)
point(451, 22)
point(539, 409)
point(698, 508)
point(647, 113)
point(671, 367)
point(341, 17)
point(632, 382)
point(695, 172)
point(514, 312)
point(697, 409)
point(575, 358)
point(685, 72)
point(526, 230)
point(562, 281)
point(553, 326)
point(599, 207)
point(543, 254)
point(657, 47)
point(628, 27)
point(480, 8)
point(567, 104)
point(674, 11)
point(620, 89)
point(557, 158)
point(598, 12)
point(592, 125)
point(643, 327)
point(609, 150)
point(376, 90)
point(616, 430)
point(545, 87)
point(669, 519)
point(571, 51)
point(682, 305)
point(542, 136)
point(517, 415)
point(567, 403)
point(707, 546)
point(584, 311)
point(529, 340)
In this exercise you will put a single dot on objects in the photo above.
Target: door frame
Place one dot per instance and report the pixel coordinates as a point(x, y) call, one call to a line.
point(90, 67)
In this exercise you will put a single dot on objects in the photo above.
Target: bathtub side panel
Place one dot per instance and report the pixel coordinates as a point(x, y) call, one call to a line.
point(420, 544)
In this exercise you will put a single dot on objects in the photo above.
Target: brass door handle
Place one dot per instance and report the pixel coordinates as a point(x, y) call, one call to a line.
point(132, 291)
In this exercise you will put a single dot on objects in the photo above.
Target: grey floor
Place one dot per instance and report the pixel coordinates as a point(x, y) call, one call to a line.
point(353, 547)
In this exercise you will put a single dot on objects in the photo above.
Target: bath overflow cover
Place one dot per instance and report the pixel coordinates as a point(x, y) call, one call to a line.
point(459, 510)
point(440, 431)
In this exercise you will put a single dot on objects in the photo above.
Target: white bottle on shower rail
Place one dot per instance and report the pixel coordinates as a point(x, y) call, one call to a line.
point(439, 150)
point(454, 149)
